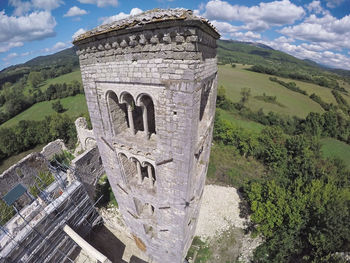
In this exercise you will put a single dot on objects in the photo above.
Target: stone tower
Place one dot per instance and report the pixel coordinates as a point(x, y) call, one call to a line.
point(150, 82)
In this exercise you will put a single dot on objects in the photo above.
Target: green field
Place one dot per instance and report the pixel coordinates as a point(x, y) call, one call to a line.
point(228, 167)
point(75, 106)
point(238, 121)
point(234, 79)
point(66, 78)
point(332, 148)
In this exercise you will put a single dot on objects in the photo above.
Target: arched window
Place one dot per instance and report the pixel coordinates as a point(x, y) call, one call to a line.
point(117, 112)
point(134, 113)
point(129, 167)
point(148, 117)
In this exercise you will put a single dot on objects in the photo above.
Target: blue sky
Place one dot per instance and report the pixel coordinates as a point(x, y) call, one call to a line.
point(312, 29)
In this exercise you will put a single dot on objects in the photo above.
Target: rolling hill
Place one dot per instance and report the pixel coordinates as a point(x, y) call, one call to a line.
point(57, 60)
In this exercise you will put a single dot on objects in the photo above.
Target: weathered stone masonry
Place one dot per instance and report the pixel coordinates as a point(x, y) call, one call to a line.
point(150, 83)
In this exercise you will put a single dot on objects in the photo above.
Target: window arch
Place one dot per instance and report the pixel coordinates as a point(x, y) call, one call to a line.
point(148, 117)
point(134, 113)
point(117, 113)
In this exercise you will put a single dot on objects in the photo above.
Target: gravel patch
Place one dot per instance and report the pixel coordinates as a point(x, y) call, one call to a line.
point(219, 211)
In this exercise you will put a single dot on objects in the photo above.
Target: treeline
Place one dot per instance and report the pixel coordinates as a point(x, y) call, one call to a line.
point(289, 85)
point(302, 205)
point(14, 101)
point(48, 72)
point(326, 106)
point(343, 104)
point(61, 90)
point(28, 134)
point(319, 80)
point(328, 124)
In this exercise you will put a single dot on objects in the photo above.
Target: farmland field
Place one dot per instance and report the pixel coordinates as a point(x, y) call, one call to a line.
point(333, 148)
point(75, 106)
point(238, 121)
point(66, 78)
point(234, 79)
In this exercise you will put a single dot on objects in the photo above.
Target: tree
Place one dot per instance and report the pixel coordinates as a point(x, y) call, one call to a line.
point(35, 78)
point(245, 93)
point(57, 106)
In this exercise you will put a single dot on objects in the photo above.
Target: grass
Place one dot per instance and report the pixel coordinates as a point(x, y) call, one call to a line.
point(75, 106)
point(200, 250)
point(66, 78)
point(7, 163)
point(332, 148)
point(234, 79)
point(228, 167)
point(238, 121)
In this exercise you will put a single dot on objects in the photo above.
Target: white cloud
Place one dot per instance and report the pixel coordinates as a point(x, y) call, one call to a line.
point(224, 27)
point(20, 7)
point(284, 39)
point(323, 30)
point(58, 46)
point(78, 32)
point(334, 3)
point(257, 18)
point(24, 54)
point(10, 56)
point(121, 15)
point(34, 26)
point(315, 7)
point(75, 11)
point(15, 30)
point(47, 4)
point(246, 36)
point(4, 47)
point(313, 52)
point(100, 3)
point(24, 7)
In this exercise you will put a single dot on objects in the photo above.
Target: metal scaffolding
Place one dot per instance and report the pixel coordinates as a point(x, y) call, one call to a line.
point(35, 233)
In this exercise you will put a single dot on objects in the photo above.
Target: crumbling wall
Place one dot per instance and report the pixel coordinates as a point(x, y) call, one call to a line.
point(86, 137)
point(88, 168)
point(55, 147)
point(23, 172)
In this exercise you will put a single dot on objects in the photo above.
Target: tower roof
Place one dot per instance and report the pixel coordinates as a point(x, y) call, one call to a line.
point(149, 17)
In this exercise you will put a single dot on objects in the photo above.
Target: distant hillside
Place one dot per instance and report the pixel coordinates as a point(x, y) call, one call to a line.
point(255, 54)
point(54, 61)
point(230, 51)
point(60, 58)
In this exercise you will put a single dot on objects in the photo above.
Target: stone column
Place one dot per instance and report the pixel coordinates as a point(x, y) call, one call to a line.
point(145, 120)
point(139, 174)
point(131, 120)
point(150, 175)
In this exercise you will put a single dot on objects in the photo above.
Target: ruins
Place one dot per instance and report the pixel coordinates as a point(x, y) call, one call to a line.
point(48, 198)
point(150, 82)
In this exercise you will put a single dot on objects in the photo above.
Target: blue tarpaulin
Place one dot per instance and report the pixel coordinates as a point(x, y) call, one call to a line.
point(14, 194)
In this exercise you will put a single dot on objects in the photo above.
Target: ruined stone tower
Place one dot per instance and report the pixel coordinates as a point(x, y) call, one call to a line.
point(150, 83)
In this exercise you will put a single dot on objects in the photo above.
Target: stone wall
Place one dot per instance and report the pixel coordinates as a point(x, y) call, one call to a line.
point(173, 62)
point(23, 172)
point(88, 168)
point(55, 147)
point(86, 137)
